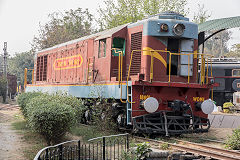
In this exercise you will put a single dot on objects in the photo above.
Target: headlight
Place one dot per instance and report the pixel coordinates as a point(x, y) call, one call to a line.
point(178, 29)
point(207, 106)
point(151, 104)
point(164, 27)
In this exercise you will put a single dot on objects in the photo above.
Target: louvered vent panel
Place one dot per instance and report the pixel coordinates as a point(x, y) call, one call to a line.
point(38, 69)
point(45, 68)
point(136, 44)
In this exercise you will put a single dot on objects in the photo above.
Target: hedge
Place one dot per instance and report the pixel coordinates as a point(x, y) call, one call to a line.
point(24, 98)
point(50, 115)
point(52, 119)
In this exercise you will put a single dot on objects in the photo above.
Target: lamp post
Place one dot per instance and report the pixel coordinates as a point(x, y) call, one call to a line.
point(5, 55)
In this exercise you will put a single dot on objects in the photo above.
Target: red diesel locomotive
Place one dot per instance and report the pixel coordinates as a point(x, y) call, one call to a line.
point(149, 67)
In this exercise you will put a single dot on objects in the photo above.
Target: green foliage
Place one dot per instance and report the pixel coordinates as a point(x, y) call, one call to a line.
point(89, 131)
point(235, 51)
point(3, 88)
point(19, 62)
point(140, 153)
point(101, 114)
point(63, 27)
point(50, 115)
point(142, 150)
point(52, 119)
point(75, 103)
point(217, 45)
point(233, 141)
point(164, 146)
point(115, 13)
point(24, 98)
point(201, 15)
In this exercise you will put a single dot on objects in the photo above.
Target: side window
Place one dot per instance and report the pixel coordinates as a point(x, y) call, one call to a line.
point(236, 72)
point(102, 48)
point(117, 46)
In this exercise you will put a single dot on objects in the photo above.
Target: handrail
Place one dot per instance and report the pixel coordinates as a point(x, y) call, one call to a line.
point(110, 136)
point(203, 75)
point(25, 76)
point(120, 63)
point(39, 153)
point(120, 71)
point(77, 146)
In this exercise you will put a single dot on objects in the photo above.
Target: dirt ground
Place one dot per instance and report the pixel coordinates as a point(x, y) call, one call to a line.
point(11, 144)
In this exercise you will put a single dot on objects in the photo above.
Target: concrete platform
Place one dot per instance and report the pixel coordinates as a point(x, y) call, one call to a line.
point(224, 120)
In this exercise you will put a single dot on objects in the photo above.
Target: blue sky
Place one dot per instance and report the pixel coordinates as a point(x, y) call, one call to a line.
point(19, 19)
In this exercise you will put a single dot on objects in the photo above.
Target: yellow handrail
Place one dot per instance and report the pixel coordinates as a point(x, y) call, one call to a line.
point(25, 76)
point(151, 69)
point(203, 75)
point(120, 63)
point(120, 71)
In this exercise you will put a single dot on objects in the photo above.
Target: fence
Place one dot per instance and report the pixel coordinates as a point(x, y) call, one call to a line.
point(101, 148)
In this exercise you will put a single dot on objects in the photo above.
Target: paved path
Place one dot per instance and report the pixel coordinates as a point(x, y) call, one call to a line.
point(11, 144)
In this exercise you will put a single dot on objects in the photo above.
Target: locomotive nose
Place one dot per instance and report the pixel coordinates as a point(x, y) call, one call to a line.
point(151, 105)
point(207, 106)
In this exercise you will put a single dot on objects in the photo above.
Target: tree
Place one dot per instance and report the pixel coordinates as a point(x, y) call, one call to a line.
point(63, 27)
point(235, 51)
point(201, 15)
point(3, 88)
point(19, 62)
point(115, 13)
point(217, 45)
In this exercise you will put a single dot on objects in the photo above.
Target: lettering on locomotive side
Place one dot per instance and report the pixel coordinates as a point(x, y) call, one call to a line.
point(68, 62)
point(198, 99)
point(144, 97)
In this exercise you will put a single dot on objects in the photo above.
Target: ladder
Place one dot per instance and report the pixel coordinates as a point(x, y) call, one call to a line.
point(90, 69)
point(129, 104)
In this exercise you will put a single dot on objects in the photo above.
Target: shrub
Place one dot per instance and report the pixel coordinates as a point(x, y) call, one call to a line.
point(139, 153)
point(51, 119)
point(24, 98)
point(3, 88)
point(72, 101)
point(102, 114)
point(233, 141)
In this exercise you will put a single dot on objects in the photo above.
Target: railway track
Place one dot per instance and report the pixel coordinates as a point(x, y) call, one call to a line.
point(195, 148)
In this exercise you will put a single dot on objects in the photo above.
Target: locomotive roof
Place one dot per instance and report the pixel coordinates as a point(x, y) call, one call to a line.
point(165, 16)
point(99, 35)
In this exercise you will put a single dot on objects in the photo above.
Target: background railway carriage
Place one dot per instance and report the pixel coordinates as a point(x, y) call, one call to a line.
point(225, 71)
point(12, 84)
point(149, 67)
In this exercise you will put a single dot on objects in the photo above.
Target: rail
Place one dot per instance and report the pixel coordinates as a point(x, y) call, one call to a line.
point(107, 147)
point(200, 149)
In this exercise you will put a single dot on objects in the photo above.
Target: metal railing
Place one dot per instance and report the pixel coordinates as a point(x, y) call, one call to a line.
point(204, 58)
point(100, 148)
